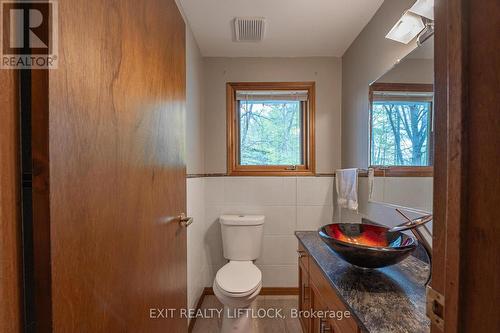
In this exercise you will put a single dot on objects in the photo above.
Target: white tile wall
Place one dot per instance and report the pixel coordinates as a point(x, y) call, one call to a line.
point(313, 217)
point(315, 191)
point(262, 191)
point(289, 204)
point(197, 264)
point(401, 191)
point(279, 275)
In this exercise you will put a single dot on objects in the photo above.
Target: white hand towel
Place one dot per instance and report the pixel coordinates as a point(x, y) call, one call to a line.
point(347, 188)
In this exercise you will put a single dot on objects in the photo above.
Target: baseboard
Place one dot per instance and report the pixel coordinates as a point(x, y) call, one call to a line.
point(264, 291)
point(208, 291)
point(198, 306)
point(279, 291)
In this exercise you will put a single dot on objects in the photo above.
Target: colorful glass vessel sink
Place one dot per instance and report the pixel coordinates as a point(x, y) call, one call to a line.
point(367, 245)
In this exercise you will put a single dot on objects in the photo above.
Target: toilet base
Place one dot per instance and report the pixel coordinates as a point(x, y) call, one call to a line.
point(238, 320)
point(238, 308)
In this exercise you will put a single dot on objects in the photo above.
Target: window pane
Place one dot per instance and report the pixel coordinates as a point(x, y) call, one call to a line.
point(400, 133)
point(270, 133)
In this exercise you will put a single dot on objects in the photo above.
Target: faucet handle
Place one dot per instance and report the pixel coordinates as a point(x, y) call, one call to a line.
point(410, 223)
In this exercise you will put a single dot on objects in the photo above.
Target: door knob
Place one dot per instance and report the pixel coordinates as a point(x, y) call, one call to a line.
point(185, 220)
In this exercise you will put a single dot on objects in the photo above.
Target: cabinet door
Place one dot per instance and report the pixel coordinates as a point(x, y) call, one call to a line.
point(304, 298)
point(318, 324)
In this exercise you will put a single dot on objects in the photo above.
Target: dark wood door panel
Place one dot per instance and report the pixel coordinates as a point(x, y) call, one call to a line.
point(10, 222)
point(117, 171)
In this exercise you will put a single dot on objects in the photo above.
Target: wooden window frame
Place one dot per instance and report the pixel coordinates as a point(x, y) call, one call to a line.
point(234, 168)
point(401, 171)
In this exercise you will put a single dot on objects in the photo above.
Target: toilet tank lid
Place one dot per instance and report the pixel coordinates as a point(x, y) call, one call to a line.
point(242, 219)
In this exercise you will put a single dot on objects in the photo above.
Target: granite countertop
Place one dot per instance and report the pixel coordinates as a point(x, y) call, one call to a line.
point(389, 299)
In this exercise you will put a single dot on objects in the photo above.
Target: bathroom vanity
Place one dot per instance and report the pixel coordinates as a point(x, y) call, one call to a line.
point(390, 299)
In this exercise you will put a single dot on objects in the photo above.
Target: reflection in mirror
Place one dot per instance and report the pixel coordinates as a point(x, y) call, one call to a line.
point(401, 131)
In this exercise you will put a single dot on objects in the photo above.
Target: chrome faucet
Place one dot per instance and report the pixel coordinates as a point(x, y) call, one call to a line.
point(412, 225)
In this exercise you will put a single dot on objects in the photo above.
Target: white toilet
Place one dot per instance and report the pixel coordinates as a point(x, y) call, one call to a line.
point(238, 282)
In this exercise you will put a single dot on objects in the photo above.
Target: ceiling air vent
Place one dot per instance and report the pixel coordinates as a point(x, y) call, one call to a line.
point(249, 29)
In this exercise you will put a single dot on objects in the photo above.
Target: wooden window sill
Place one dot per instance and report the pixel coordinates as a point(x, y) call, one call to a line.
point(271, 173)
point(426, 171)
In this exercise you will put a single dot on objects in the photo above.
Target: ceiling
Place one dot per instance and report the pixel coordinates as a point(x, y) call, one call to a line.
point(295, 28)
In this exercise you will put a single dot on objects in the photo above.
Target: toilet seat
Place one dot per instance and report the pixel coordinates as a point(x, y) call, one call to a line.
point(238, 278)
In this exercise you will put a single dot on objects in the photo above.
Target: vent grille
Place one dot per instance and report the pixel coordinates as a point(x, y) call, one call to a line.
point(249, 29)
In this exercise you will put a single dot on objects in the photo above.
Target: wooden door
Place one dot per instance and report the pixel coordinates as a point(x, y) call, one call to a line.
point(10, 224)
point(116, 167)
point(466, 241)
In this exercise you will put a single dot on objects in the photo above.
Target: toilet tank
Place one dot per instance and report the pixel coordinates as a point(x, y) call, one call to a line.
point(241, 236)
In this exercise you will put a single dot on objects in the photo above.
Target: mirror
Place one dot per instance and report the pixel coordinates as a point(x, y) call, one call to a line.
point(401, 131)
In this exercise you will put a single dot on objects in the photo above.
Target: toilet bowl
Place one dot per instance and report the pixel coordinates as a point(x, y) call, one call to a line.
point(238, 283)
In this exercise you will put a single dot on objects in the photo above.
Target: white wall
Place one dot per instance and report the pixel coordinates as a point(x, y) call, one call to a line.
point(197, 267)
point(195, 119)
point(325, 71)
point(410, 71)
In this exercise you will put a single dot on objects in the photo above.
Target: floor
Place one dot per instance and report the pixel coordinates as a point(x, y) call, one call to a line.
point(263, 304)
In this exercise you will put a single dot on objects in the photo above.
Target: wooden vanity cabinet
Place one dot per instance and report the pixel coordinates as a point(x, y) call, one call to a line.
point(316, 294)
point(304, 288)
point(320, 325)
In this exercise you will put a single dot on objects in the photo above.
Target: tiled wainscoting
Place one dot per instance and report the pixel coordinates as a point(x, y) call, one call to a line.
point(289, 204)
point(197, 256)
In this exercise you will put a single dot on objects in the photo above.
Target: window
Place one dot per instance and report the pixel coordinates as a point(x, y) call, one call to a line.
point(401, 126)
point(270, 128)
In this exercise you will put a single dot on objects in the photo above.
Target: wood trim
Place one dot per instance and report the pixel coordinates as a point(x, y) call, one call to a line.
point(379, 172)
point(279, 291)
point(208, 291)
point(477, 129)
point(206, 175)
point(197, 307)
point(424, 171)
point(10, 220)
point(410, 87)
point(399, 171)
point(233, 168)
point(211, 175)
point(447, 209)
point(466, 264)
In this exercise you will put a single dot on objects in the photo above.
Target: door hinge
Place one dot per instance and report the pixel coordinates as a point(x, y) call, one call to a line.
point(435, 307)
